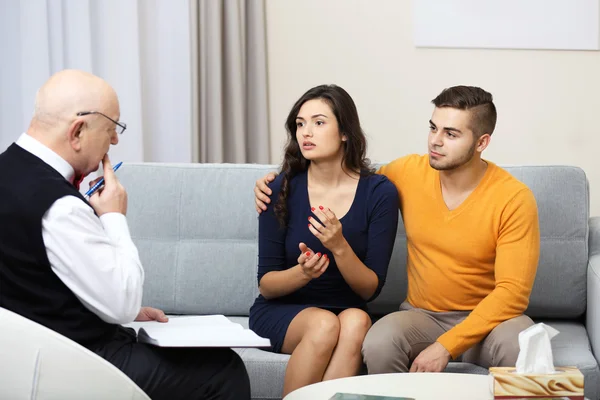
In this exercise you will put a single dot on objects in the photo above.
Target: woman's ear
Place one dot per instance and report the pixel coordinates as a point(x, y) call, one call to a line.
point(344, 138)
point(75, 133)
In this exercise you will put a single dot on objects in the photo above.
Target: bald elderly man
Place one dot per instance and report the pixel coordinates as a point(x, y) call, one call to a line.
point(70, 264)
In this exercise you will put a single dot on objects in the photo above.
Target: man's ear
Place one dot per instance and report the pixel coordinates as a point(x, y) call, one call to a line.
point(74, 134)
point(483, 142)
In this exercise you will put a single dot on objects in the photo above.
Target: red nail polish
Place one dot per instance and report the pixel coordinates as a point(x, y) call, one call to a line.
point(318, 254)
point(309, 225)
point(325, 255)
point(320, 207)
point(312, 209)
point(309, 217)
point(307, 253)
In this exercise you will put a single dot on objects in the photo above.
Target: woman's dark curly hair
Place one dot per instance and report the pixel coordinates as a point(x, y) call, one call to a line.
point(355, 146)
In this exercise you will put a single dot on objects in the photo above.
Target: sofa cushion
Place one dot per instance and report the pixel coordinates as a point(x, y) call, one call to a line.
point(196, 230)
point(571, 347)
point(266, 369)
point(562, 195)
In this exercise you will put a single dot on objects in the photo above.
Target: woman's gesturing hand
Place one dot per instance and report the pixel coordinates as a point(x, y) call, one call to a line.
point(329, 230)
point(313, 265)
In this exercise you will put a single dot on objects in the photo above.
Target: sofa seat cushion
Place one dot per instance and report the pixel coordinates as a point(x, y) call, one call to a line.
point(458, 367)
point(571, 347)
point(266, 369)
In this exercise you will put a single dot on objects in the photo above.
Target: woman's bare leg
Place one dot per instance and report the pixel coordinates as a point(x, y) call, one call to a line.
point(346, 359)
point(310, 339)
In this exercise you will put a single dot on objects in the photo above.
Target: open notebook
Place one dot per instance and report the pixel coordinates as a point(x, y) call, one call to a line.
point(197, 331)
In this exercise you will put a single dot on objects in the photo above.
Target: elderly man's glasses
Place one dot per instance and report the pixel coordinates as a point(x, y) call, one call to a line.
point(122, 125)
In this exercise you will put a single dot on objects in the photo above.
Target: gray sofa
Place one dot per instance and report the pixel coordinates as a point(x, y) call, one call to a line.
point(196, 230)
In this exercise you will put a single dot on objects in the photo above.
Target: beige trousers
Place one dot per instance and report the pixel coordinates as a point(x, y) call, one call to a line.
point(396, 340)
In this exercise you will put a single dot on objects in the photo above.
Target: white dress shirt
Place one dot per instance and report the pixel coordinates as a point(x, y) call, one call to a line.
point(94, 257)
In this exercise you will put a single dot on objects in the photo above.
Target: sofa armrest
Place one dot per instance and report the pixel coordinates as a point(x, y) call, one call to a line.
point(593, 287)
point(594, 238)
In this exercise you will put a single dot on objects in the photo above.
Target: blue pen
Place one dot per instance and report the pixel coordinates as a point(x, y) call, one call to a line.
point(101, 181)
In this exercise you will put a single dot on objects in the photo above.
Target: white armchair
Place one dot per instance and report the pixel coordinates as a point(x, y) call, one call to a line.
point(39, 364)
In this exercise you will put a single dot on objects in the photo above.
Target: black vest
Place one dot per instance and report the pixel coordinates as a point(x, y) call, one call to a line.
point(28, 286)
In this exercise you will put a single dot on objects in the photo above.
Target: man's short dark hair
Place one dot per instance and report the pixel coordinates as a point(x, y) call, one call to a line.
point(479, 102)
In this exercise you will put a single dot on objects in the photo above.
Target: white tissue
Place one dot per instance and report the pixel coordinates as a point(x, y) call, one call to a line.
point(535, 355)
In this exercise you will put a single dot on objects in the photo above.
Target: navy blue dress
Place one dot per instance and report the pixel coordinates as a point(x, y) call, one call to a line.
point(369, 227)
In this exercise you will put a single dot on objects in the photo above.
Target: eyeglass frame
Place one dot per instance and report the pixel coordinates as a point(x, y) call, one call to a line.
point(122, 125)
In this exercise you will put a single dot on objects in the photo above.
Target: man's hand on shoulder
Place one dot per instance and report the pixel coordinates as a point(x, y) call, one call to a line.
point(434, 358)
point(262, 192)
point(151, 314)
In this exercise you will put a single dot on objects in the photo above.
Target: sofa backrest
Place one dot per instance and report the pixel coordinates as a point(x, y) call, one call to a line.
point(196, 229)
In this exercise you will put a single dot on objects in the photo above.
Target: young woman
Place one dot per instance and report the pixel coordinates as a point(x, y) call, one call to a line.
point(324, 242)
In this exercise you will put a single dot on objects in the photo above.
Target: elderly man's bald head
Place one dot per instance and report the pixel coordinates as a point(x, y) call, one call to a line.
point(82, 140)
point(70, 91)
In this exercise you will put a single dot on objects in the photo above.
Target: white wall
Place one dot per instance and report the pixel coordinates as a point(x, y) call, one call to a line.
point(548, 101)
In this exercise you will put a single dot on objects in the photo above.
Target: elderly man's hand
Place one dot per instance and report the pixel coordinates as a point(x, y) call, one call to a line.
point(151, 314)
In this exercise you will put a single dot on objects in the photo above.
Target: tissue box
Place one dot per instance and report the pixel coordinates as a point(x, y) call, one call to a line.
point(565, 383)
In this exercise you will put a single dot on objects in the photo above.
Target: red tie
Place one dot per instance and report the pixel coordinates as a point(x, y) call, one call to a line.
point(77, 181)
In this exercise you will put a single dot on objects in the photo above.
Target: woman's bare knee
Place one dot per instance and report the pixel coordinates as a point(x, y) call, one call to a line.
point(319, 328)
point(354, 325)
point(324, 330)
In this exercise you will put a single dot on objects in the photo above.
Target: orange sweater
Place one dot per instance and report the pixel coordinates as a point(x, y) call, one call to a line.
point(480, 257)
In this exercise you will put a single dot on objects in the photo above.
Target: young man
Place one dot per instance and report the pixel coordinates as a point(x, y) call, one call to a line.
point(70, 264)
point(473, 247)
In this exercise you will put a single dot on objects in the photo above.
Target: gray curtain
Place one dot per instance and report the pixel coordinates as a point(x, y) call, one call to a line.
point(231, 118)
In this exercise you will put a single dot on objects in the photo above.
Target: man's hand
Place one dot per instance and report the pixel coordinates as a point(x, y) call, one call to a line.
point(112, 197)
point(151, 314)
point(434, 358)
point(262, 192)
